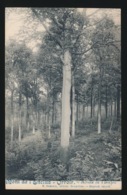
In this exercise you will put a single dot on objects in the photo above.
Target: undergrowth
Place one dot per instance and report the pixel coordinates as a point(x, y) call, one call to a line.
point(90, 157)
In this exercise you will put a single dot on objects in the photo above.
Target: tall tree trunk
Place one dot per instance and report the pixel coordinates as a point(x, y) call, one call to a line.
point(53, 110)
point(106, 108)
point(77, 111)
point(111, 108)
point(27, 114)
point(49, 125)
point(87, 111)
point(91, 101)
point(33, 122)
point(99, 117)
point(99, 105)
point(83, 116)
point(49, 106)
point(49, 114)
point(12, 119)
point(118, 102)
point(20, 117)
point(115, 107)
point(111, 101)
point(66, 111)
point(73, 107)
point(94, 106)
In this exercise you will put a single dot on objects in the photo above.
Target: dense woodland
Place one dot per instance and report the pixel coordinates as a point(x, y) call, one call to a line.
point(63, 102)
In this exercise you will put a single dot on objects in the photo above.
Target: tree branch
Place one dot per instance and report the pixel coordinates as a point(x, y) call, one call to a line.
point(49, 32)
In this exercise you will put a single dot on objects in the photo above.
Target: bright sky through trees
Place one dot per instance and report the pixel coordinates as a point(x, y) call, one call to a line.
point(15, 20)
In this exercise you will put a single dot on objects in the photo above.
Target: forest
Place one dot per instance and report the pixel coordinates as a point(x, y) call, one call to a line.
point(63, 94)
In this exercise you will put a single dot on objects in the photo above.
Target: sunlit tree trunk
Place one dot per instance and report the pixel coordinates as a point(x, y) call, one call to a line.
point(66, 111)
point(33, 123)
point(87, 111)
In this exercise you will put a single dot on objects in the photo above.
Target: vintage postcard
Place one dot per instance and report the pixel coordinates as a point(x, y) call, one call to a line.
point(63, 98)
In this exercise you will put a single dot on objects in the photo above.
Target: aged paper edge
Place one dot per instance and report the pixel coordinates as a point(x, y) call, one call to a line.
point(62, 185)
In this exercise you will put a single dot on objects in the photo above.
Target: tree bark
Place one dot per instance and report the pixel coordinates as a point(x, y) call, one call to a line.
point(20, 117)
point(83, 116)
point(115, 107)
point(77, 111)
point(49, 125)
point(91, 100)
point(49, 115)
point(66, 111)
point(87, 111)
point(99, 117)
point(12, 119)
point(106, 108)
point(27, 114)
point(99, 105)
point(73, 107)
point(53, 110)
point(118, 102)
point(33, 123)
point(111, 102)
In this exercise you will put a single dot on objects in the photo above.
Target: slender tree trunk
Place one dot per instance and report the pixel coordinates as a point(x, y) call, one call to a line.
point(106, 108)
point(77, 111)
point(20, 117)
point(33, 123)
point(33, 126)
point(111, 103)
point(27, 114)
point(115, 107)
point(99, 105)
point(111, 108)
point(83, 115)
point(118, 102)
point(87, 111)
point(91, 100)
point(66, 111)
point(73, 107)
point(112, 120)
point(53, 110)
point(45, 120)
point(49, 104)
point(12, 119)
point(93, 106)
point(49, 125)
point(49, 115)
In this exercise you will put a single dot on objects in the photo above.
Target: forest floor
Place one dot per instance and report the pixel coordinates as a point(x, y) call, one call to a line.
point(91, 157)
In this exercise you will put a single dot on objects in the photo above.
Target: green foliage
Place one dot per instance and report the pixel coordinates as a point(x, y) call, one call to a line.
point(90, 157)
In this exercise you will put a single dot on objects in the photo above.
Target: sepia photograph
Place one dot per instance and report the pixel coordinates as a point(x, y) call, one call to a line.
point(63, 98)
